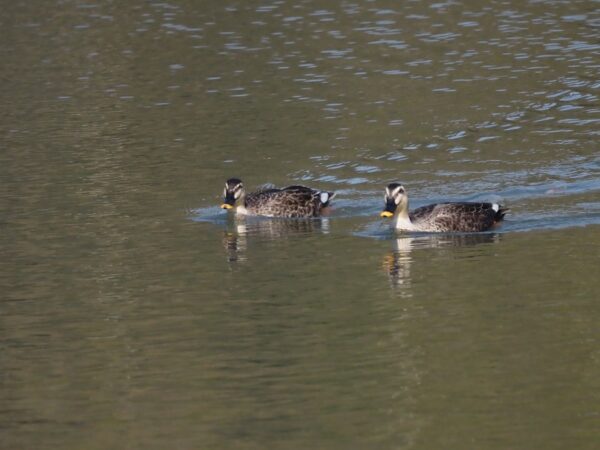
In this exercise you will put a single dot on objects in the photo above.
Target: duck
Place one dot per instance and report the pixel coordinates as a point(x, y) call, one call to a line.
point(291, 201)
point(463, 217)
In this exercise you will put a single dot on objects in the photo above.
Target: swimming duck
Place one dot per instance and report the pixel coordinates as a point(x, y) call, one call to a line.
point(440, 217)
point(291, 201)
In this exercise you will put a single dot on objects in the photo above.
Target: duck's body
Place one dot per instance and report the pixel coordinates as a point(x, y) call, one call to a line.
point(291, 201)
point(461, 217)
point(441, 217)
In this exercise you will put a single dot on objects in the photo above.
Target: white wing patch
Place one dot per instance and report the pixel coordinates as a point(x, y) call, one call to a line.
point(324, 196)
point(495, 206)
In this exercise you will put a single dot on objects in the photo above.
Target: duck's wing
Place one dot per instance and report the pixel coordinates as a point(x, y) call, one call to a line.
point(421, 213)
point(262, 197)
point(291, 201)
point(463, 216)
point(321, 197)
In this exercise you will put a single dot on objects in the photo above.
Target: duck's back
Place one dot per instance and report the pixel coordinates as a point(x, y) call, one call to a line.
point(291, 201)
point(457, 217)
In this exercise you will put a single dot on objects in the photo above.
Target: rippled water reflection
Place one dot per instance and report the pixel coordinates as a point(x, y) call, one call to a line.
point(135, 313)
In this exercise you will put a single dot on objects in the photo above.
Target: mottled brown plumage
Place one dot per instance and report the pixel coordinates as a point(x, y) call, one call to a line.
point(464, 216)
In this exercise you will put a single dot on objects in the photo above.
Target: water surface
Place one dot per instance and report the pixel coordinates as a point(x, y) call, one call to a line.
point(136, 314)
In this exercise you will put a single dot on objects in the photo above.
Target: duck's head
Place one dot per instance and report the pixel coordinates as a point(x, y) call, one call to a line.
point(395, 197)
point(233, 194)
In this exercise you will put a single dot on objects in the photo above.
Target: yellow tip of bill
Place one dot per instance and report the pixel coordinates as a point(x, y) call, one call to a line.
point(386, 214)
point(226, 206)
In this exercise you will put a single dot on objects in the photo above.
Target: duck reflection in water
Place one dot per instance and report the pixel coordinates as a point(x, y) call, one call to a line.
point(240, 230)
point(398, 263)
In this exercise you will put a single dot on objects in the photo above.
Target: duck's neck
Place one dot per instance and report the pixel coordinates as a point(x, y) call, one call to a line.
point(403, 221)
point(241, 205)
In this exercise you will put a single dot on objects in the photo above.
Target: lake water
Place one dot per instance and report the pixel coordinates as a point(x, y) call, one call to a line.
point(134, 313)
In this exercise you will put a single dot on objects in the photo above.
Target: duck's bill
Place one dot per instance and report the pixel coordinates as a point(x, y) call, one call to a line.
point(226, 206)
point(389, 209)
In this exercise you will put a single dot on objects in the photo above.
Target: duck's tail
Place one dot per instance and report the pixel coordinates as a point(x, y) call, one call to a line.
point(500, 212)
point(326, 198)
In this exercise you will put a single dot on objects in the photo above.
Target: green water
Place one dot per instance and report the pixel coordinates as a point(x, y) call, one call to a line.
point(134, 313)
